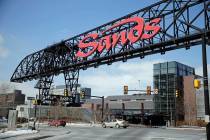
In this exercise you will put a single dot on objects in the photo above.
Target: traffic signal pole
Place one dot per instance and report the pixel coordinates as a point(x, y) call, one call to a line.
point(205, 86)
point(205, 71)
point(34, 126)
point(102, 110)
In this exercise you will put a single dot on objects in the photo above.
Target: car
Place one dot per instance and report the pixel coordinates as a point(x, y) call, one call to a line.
point(57, 123)
point(115, 123)
point(32, 119)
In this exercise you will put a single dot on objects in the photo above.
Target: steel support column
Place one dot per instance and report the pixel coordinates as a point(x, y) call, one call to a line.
point(71, 82)
point(44, 85)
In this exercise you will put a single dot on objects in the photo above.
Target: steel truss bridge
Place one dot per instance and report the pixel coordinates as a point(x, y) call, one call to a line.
point(184, 23)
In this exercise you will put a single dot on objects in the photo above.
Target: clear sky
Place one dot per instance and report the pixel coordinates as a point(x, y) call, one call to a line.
point(30, 25)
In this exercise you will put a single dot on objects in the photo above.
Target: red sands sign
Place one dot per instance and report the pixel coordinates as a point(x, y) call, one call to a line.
point(140, 31)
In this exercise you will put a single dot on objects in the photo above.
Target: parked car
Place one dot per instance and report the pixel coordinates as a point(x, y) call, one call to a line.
point(3, 123)
point(57, 123)
point(3, 119)
point(115, 123)
point(31, 119)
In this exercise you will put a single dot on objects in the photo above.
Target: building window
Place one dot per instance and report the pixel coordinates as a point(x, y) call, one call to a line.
point(156, 66)
point(163, 65)
point(126, 99)
point(172, 64)
point(107, 106)
point(140, 99)
point(180, 66)
point(156, 72)
point(6, 97)
point(163, 71)
point(172, 70)
point(113, 100)
point(98, 106)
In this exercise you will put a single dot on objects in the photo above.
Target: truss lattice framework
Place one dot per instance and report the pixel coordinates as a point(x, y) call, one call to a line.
point(71, 81)
point(44, 84)
point(183, 24)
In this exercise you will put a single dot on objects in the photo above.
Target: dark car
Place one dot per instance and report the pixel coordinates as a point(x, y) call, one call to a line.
point(57, 123)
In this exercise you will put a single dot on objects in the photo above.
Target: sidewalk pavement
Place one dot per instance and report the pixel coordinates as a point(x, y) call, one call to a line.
point(84, 124)
point(186, 128)
point(17, 132)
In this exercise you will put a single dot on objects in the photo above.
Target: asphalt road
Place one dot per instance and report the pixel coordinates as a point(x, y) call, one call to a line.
point(98, 133)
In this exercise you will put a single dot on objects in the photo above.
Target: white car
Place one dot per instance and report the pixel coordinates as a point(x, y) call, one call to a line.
point(115, 123)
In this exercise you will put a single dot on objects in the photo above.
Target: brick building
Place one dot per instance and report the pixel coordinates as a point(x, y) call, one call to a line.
point(190, 110)
point(176, 99)
point(10, 101)
point(200, 101)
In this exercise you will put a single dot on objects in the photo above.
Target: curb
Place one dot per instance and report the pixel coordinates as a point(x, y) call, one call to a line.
point(84, 125)
point(177, 128)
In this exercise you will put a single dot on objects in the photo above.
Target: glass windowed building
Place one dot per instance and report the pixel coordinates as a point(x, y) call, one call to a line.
point(167, 78)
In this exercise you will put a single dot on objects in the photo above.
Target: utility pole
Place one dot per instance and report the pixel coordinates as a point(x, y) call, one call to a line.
point(205, 74)
point(34, 127)
point(205, 86)
point(142, 112)
point(123, 113)
point(29, 109)
point(102, 110)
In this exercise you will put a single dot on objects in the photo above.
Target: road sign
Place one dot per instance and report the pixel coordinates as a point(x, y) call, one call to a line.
point(30, 98)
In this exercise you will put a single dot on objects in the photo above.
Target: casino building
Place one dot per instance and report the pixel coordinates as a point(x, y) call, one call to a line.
point(170, 80)
point(132, 108)
point(176, 99)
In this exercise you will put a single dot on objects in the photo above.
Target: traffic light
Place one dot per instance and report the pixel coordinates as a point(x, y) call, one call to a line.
point(177, 93)
point(148, 90)
point(34, 102)
point(66, 92)
point(39, 102)
point(126, 90)
point(82, 95)
point(197, 83)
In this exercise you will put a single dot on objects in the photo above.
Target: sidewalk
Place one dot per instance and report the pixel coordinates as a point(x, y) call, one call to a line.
point(40, 133)
point(187, 128)
point(138, 125)
point(17, 132)
point(75, 124)
point(80, 124)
